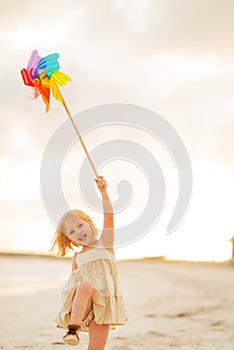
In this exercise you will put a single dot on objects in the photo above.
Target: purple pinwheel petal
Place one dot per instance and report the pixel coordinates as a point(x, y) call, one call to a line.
point(32, 63)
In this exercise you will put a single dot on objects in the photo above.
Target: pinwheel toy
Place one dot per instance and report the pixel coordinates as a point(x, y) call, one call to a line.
point(43, 75)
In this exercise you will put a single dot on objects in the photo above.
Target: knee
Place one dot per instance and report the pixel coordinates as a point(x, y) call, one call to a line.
point(85, 288)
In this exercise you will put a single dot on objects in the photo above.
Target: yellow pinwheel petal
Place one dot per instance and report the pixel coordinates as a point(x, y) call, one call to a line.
point(56, 92)
point(60, 78)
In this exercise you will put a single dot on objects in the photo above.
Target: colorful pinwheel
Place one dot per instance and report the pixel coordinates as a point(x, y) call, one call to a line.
point(43, 75)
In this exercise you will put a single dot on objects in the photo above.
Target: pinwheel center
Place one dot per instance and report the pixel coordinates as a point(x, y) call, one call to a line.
point(36, 81)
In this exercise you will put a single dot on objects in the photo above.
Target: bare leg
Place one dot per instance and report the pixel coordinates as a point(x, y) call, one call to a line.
point(98, 334)
point(81, 302)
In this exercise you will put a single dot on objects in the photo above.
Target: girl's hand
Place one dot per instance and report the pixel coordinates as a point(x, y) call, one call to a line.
point(101, 183)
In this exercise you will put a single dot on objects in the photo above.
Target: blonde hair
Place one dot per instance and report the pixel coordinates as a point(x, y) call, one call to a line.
point(61, 244)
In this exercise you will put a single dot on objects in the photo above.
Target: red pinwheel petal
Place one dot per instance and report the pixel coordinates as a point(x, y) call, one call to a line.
point(26, 77)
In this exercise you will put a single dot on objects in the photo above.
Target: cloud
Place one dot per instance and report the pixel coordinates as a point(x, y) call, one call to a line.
point(136, 26)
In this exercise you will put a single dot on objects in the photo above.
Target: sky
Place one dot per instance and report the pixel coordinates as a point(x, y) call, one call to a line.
point(174, 57)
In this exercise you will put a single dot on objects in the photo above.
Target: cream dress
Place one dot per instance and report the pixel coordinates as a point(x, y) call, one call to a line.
point(97, 266)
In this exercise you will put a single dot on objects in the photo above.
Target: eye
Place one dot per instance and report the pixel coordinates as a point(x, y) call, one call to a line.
point(71, 232)
point(80, 225)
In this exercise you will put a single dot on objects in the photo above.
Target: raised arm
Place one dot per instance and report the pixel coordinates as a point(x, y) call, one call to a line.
point(107, 236)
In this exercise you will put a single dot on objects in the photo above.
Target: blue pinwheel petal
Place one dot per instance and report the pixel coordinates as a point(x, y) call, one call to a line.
point(48, 63)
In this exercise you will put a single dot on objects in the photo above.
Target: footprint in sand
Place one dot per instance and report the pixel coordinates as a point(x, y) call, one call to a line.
point(150, 315)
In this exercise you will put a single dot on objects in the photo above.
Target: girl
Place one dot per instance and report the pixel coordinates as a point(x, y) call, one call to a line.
point(92, 300)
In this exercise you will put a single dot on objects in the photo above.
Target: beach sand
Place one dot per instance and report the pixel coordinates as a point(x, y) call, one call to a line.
point(171, 305)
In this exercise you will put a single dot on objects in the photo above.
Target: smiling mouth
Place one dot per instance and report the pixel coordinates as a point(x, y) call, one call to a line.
point(82, 237)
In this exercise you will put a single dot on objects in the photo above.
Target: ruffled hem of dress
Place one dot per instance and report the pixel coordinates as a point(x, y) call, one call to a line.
point(105, 309)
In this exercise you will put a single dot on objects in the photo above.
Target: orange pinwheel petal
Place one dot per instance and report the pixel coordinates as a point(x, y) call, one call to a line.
point(45, 92)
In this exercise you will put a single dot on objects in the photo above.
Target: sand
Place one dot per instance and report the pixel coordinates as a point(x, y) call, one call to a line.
point(171, 305)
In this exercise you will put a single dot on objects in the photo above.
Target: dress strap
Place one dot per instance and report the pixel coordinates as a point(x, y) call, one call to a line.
point(100, 245)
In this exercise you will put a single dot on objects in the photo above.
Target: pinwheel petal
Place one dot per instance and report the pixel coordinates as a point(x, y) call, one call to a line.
point(26, 77)
point(56, 92)
point(45, 92)
point(46, 100)
point(32, 63)
point(34, 93)
point(60, 78)
point(48, 63)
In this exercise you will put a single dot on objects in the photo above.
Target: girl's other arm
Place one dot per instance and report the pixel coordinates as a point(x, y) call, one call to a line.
point(107, 236)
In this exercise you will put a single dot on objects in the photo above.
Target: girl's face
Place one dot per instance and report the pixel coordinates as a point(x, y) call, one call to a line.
point(79, 232)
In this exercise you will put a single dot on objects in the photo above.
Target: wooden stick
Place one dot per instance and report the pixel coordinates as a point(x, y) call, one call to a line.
point(79, 136)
